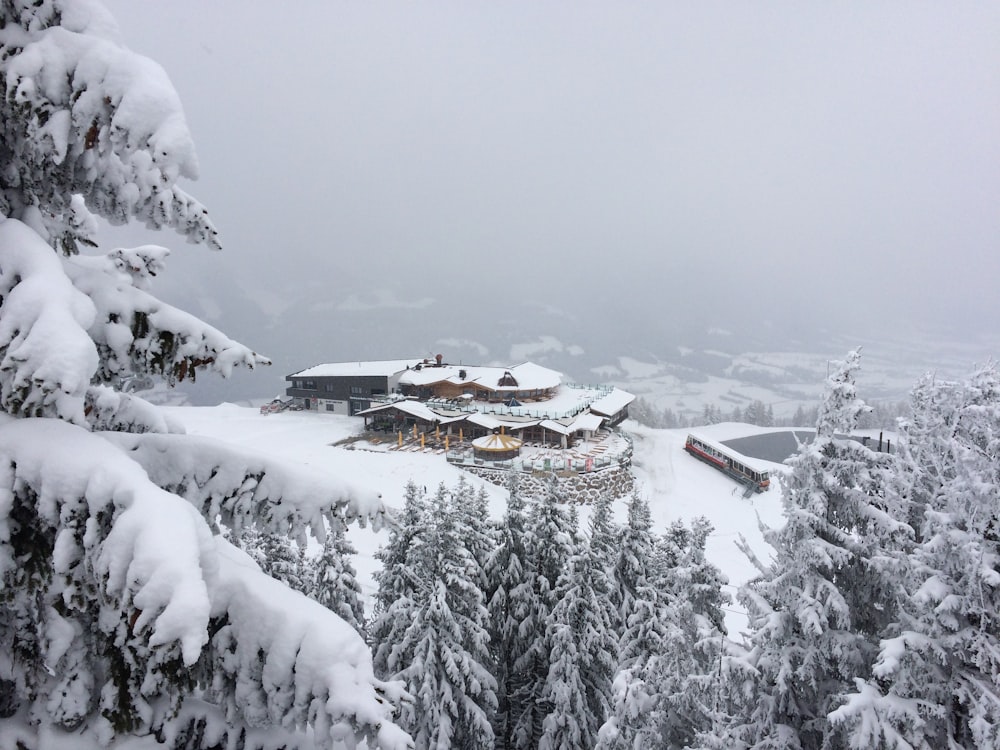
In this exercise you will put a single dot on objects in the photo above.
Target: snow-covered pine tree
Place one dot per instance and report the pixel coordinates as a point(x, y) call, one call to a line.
point(570, 722)
point(443, 649)
point(471, 507)
point(665, 686)
point(603, 533)
point(603, 543)
point(641, 635)
point(286, 561)
point(511, 597)
point(120, 599)
point(630, 574)
point(711, 414)
point(818, 610)
point(700, 581)
point(686, 675)
point(549, 543)
point(582, 642)
point(399, 583)
point(332, 580)
point(277, 555)
point(936, 683)
point(90, 128)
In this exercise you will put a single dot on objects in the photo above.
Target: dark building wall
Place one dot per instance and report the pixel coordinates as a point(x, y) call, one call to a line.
point(355, 389)
point(617, 419)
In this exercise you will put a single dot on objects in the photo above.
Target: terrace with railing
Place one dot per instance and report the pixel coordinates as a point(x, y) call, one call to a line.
point(607, 449)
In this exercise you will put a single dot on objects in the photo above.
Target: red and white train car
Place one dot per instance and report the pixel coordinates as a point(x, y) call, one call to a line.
point(729, 462)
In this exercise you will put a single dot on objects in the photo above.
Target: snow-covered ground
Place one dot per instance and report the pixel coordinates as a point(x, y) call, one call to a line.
point(677, 485)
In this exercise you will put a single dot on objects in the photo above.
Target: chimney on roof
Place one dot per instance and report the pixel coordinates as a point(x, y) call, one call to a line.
point(439, 357)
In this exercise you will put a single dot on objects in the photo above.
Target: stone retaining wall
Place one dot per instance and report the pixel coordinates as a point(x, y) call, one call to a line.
point(576, 487)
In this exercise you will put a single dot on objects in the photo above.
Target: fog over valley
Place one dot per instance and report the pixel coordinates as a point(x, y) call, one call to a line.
point(575, 184)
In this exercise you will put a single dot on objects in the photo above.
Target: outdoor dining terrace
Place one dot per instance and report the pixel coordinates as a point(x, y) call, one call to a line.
point(605, 450)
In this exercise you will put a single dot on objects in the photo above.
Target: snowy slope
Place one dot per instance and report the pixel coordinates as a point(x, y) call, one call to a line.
point(677, 485)
point(680, 486)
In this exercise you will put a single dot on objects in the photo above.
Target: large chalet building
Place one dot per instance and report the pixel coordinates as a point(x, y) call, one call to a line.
point(525, 399)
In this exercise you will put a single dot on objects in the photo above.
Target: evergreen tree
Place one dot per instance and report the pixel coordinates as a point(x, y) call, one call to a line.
point(700, 580)
point(813, 627)
point(582, 647)
point(333, 581)
point(604, 533)
point(548, 545)
point(634, 586)
point(758, 413)
point(398, 583)
point(666, 686)
point(472, 507)
point(641, 609)
point(442, 651)
point(285, 561)
point(644, 412)
point(936, 683)
point(604, 543)
point(511, 602)
point(277, 555)
point(686, 674)
point(119, 599)
point(711, 414)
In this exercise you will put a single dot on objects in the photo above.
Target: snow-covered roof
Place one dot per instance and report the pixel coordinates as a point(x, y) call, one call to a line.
point(588, 422)
point(528, 376)
point(562, 429)
point(535, 377)
point(516, 423)
point(381, 368)
point(413, 408)
point(483, 420)
point(613, 403)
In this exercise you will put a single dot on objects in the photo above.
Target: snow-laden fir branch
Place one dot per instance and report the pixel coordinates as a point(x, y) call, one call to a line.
point(178, 604)
point(245, 488)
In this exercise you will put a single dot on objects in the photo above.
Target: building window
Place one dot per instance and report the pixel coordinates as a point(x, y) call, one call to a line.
point(328, 387)
point(310, 385)
point(356, 390)
point(331, 407)
point(296, 384)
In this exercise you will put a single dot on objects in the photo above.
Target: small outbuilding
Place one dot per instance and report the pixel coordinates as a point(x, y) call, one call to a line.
point(496, 447)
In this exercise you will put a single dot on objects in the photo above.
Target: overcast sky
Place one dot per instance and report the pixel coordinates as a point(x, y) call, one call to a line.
point(753, 159)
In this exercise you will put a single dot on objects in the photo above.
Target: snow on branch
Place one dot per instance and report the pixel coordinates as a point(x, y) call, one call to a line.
point(116, 565)
point(83, 115)
point(283, 660)
point(246, 489)
point(66, 322)
point(136, 333)
point(47, 357)
point(110, 410)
